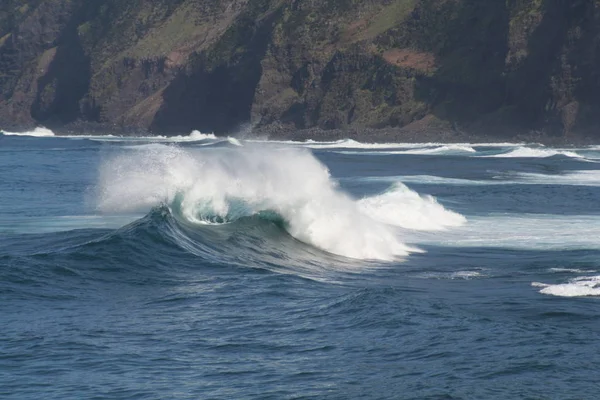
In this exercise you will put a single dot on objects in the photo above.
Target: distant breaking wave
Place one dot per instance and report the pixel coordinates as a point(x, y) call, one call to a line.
point(426, 148)
point(407, 149)
point(572, 178)
point(529, 152)
point(192, 137)
point(445, 149)
point(337, 144)
point(289, 187)
point(350, 146)
point(37, 132)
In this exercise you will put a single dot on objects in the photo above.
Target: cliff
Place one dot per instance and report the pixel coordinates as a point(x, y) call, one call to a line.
point(499, 68)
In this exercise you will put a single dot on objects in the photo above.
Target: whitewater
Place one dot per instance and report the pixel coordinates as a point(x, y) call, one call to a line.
point(200, 266)
point(292, 184)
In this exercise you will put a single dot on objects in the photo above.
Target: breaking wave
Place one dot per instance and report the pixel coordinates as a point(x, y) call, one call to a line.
point(194, 136)
point(437, 150)
point(344, 144)
point(530, 152)
point(288, 187)
point(37, 132)
point(417, 212)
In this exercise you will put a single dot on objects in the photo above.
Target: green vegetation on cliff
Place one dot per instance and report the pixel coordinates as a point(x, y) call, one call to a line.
point(496, 67)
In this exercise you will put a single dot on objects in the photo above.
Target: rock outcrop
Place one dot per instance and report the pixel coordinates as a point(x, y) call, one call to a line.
point(499, 68)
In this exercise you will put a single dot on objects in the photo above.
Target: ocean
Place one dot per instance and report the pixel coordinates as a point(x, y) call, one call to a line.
point(199, 267)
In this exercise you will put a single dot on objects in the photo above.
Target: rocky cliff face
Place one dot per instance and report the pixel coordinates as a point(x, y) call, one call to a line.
point(493, 67)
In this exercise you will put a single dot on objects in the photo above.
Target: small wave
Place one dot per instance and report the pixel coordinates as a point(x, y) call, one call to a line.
point(583, 286)
point(37, 132)
point(416, 150)
point(336, 144)
point(194, 136)
point(350, 144)
point(446, 149)
point(403, 207)
point(353, 144)
point(529, 152)
point(574, 178)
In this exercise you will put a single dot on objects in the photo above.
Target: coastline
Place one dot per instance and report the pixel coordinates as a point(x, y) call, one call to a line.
point(365, 135)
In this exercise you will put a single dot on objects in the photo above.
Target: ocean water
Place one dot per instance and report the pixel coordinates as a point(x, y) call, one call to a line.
point(199, 267)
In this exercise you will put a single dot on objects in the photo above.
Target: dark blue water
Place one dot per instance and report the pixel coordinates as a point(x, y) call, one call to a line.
point(138, 269)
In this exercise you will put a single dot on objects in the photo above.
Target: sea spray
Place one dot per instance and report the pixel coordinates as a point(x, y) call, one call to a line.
point(225, 186)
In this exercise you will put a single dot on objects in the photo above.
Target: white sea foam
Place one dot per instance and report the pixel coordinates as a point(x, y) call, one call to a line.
point(532, 152)
point(336, 144)
point(451, 149)
point(433, 180)
point(521, 231)
point(575, 178)
point(417, 212)
point(572, 270)
point(349, 144)
point(439, 150)
point(437, 180)
point(457, 275)
point(292, 183)
point(582, 286)
point(194, 136)
point(353, 144)
point(37, 132)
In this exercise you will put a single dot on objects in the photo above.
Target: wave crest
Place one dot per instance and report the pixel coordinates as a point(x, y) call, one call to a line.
point(289, 185)
point(417, 212)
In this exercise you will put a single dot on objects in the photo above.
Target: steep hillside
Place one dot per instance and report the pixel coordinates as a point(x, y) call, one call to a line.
point(497, 68)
